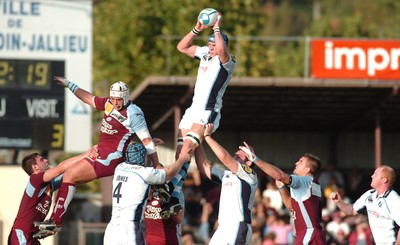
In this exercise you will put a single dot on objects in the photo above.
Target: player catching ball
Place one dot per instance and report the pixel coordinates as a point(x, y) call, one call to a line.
point(215, 71)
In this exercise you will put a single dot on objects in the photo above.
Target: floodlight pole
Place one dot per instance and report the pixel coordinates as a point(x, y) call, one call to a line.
point(378, 138)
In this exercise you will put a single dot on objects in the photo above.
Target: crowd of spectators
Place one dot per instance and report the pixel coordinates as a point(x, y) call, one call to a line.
point(271, 222)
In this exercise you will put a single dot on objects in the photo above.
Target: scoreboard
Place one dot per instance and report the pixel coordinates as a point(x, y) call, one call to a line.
point(40, 39)
point(31, 104)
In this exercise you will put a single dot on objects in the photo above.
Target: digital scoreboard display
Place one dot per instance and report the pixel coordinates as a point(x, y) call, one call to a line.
point(31, 104)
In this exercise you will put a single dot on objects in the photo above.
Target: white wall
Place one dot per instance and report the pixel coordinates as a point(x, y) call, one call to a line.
point(13, 180)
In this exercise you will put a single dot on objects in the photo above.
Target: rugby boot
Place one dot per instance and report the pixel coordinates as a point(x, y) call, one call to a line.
point(41, 234)
point(48, 225)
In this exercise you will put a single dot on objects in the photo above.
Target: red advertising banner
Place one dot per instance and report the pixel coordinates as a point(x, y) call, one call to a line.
point(355, 59)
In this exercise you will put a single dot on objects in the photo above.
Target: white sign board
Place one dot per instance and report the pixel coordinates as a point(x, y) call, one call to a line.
point(51, 30)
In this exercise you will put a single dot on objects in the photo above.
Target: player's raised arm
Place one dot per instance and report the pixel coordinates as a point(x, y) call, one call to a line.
point(81, 94)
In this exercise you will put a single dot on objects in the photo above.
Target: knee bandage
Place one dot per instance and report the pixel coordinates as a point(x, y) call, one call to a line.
point(195, 138)
point(179, 141)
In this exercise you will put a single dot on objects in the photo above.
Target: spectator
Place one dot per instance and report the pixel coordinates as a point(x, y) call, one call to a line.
point(326, 174)
point(273, 195)
point(354, 179)
point(362, 235)
point(269, 239)
point(282, 230)
point(203, 232)
point(337, 224)
point(381, 203)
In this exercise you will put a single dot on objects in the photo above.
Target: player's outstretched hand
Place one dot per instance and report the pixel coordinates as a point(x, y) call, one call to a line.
point(92, 152)
point(249, 151)
point(61, 81)
point(186, 157)
point(279, 184)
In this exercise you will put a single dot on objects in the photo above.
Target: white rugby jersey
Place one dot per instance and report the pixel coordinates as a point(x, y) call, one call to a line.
point(212, 80)
point(383, 214)
point(131, 189)
point(237, 194)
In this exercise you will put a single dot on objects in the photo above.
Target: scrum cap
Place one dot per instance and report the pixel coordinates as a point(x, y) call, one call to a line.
point(135, 154)
point(211, 38)
point(120, 90)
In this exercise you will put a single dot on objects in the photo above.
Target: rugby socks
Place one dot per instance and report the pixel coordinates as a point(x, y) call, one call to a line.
point(64, 198)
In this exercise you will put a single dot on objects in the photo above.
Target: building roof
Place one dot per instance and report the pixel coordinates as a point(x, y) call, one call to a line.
point(280, 104)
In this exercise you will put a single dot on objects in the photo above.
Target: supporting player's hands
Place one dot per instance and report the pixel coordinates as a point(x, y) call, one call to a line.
point(335, 196)
point(185, 156)
point(249, 151)
point(209, 128)
point(92, 152)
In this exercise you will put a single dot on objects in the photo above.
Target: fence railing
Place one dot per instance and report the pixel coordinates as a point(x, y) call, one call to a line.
point(281, 56)
point(85, 229)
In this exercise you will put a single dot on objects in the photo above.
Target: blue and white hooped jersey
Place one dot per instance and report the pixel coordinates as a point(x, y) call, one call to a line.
point(212, 79)
point(383, 214)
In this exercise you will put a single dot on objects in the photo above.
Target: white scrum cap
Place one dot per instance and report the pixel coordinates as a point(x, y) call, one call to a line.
point(120, 90)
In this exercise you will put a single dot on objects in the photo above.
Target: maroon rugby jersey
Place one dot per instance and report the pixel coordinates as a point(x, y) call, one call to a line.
point(307, 208)
point(35, 204)
point(118, 127)
point(159, 231)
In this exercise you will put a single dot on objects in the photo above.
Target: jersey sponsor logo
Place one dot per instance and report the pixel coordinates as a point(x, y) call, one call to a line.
point(205, 63)
point(374, 213)
point(247, 169)
point(44, 209)
point(107, 128)
point(118, 116)
point(228, 182)
point(153, 212)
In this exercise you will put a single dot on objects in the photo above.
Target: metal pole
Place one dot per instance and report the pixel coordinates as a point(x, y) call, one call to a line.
point(378, 139)
point(306, 58)
point(177, 119)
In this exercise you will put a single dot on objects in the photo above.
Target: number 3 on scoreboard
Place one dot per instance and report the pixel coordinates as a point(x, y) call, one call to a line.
point(57, 138)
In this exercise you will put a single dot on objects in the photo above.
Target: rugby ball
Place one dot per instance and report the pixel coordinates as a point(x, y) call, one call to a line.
point(208, 16)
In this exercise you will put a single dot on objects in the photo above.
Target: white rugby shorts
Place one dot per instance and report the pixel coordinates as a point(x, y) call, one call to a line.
point(200, 117)
point(121, 233)
point(232, 233)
